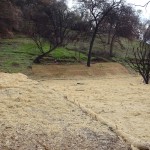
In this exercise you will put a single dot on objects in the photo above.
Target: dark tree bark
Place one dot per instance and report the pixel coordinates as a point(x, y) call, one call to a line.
point(91, 46)
point(51, 24)
point(112, 45)
point(141, 62)
point(109, 34)
point(98, 22)
point(104, 9)
point(38, 58)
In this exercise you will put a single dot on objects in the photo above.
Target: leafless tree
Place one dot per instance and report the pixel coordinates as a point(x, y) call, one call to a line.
point(98, 10)
point(52, 24)
point(145, 5)
point(141, 61)
point(122, 22)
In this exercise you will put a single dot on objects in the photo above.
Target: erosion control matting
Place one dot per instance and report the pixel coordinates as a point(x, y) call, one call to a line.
point(36, 115)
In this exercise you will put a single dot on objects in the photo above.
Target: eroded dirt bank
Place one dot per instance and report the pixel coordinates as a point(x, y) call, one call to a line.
point(36, 115)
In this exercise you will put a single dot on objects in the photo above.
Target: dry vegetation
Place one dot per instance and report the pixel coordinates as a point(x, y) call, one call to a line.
point(39, 114)
point(35, 115)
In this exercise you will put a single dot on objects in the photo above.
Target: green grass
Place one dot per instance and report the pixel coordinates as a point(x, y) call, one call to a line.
point(17, 55)
point(102, 50)
point(62, 53)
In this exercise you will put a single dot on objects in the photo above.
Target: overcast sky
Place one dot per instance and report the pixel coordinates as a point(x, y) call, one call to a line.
point(146, 11)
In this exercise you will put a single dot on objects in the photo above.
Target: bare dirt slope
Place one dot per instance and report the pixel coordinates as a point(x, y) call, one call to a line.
point(36, 115)
point(77, 71)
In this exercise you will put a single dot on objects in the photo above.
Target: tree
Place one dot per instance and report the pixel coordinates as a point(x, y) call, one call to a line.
point(122, 22)
point(146, 35)
point(50, 23)
point(98, 10)
point(141, 61)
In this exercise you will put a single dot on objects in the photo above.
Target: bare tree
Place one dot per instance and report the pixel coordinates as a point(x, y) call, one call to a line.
point(122, 22)
point(52, 24)
point(145, 5)
point(141, 61)
point(98, 10)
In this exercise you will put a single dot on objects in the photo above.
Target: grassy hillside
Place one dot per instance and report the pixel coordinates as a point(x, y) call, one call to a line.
point(17, 55)
point(101, 49)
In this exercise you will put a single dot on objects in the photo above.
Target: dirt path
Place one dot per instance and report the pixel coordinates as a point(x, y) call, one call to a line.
point(36, 115)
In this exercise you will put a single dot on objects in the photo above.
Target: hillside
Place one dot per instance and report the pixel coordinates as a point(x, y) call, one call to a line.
point(17, 54)
point(36, 115)
point(79, 71)
point(74, 111)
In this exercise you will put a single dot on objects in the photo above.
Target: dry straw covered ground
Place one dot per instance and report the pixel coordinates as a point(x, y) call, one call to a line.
point(53, 111)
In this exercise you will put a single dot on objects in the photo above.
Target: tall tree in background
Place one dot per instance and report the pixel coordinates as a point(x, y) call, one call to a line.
point(141, 61)
point(146, 36)
point(51, 23)
point(122, 22)
point(98, 10)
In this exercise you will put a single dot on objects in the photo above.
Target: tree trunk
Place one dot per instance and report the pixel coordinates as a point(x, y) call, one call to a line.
point(111, 46)
point(91, 45)
point(94, 35)
point(146, 79)
point(37, 60)
point(109, 34)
